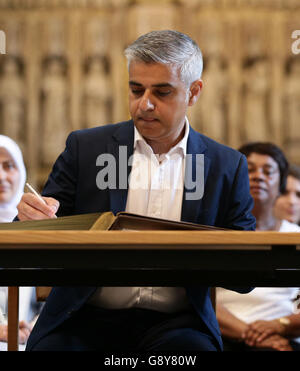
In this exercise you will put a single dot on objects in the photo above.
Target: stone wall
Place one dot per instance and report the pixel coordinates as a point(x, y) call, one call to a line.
point(64, 69)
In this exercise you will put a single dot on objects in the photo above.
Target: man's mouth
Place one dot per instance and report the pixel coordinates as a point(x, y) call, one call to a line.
point(147, 119)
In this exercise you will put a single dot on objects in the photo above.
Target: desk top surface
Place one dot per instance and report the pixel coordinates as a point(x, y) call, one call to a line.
point(134, 239)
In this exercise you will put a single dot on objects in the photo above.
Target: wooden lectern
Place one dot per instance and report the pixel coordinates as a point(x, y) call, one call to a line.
point(145, 258)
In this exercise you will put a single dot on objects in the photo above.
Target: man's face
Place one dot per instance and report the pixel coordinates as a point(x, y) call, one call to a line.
point(158, 101)
point(264, 177)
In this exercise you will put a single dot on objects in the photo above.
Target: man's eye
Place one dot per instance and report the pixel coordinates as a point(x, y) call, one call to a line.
point(137, 92)
point(163, 93)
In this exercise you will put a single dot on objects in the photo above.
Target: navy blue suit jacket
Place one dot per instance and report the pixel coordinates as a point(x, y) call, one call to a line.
point(226, 202)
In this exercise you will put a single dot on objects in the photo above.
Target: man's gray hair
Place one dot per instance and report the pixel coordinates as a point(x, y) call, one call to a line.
point(168, 47)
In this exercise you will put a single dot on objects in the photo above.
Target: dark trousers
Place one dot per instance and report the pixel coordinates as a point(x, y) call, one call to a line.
point(136, 330)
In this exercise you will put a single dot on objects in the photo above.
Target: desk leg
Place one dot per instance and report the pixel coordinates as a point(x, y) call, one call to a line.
point(13, 319)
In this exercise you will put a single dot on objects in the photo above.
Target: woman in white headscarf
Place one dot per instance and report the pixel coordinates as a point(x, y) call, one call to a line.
point(12, 178)
point(12, 181)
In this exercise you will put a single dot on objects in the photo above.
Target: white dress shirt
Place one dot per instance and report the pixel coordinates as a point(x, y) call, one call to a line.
point(156, 187)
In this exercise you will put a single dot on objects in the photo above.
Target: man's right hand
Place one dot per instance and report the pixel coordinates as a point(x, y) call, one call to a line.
point(32, 208)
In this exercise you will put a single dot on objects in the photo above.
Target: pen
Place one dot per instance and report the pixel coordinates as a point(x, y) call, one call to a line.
point(37, 195)
point(35, 192)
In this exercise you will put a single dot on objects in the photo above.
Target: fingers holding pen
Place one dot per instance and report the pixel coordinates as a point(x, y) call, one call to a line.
point(32, 207)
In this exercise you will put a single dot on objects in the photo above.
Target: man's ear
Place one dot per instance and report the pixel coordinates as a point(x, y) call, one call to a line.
point(195, 91)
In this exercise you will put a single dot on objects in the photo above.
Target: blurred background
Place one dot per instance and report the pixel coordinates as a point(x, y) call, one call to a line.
point(64, 69)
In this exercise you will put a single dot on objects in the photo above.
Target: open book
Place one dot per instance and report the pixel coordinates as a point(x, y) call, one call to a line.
point(105, 221)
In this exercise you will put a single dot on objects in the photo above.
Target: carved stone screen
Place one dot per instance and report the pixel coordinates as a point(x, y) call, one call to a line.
point(64, 69)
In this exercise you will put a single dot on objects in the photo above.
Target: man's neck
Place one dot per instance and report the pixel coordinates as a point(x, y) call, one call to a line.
point(164, 146)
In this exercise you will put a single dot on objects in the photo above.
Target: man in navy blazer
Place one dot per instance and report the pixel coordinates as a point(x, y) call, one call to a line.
point(164, 80)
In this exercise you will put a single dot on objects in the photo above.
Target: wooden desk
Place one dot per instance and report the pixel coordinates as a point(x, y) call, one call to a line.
point(149, 258)
point(48, 258)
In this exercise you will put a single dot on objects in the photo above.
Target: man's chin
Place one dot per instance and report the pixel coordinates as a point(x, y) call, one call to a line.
point(147, 127)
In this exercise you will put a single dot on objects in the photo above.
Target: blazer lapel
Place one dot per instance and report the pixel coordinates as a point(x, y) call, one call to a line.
point(122, 149)
point(196, 168)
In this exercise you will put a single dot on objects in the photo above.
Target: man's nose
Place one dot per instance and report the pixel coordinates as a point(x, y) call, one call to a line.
point(146, 103)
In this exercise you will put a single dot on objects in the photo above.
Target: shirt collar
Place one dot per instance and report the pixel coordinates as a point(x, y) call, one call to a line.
point(180, 146)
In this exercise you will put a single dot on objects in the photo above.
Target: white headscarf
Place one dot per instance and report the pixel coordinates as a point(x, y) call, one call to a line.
point(9, 210)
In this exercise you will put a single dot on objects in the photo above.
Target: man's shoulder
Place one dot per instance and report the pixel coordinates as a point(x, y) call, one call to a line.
point(103, 131)
point(217, 149)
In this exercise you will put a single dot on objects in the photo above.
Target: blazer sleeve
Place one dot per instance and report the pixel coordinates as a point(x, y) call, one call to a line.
point(62, 181)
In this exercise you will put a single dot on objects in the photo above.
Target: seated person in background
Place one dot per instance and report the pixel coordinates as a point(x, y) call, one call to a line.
point(164, 81)
point(12, 180)
point(265, 317)
point(288, 204)
point(29, 310)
